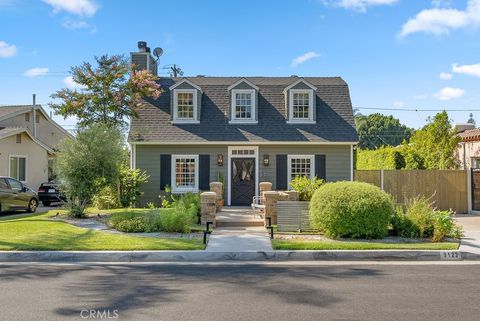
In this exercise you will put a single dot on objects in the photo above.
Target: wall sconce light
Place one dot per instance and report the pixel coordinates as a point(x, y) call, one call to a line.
point(219, 159)
point(266, 160)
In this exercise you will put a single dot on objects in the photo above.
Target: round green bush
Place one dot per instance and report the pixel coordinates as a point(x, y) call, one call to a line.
point(351, 209)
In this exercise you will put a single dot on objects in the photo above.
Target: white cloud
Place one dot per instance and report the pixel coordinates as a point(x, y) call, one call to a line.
point(445, 76)
point(439, 21)
point(78, 24)
point(473, 70)
point(84, 8)
point(70, 83)
point(442, 3)
point(398, 104)
point(305, 57)
point(7, 50)
point(448, 93)
point(35, 72)
point(358, 5)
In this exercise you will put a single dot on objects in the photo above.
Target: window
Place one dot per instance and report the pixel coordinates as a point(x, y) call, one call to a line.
point(19, 138)
point(184, 173)
point(37, 118)
point(475, 162)
point(3, 184)
point(15, 185)
point(185, 106)
point(27, 117)
point(18, 167)
point(243, 106)
point(300, 165)
point(301, 106)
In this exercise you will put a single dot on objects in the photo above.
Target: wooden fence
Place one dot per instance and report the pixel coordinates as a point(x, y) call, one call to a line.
point(448, 189)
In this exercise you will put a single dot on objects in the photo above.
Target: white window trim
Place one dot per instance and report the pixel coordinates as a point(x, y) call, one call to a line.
point(174, 175)
point(233, 104)
point(229, 168)
point(178, 120)
point(292, 120)
point(26, 167)
point(289, 166)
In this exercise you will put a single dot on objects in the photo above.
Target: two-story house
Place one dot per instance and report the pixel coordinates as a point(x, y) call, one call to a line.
point(28, 140)
point(245, 130)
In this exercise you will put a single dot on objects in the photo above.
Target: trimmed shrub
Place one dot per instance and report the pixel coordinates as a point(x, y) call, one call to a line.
point(351, 209)
point(132, 225)
point(305, 187)
point(381, 158)
point(175, 220)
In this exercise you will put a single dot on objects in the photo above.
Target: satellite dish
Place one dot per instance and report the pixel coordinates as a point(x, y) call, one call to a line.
point(157, 52)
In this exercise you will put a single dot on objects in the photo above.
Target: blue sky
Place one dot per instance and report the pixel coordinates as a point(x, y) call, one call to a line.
point(393, 53)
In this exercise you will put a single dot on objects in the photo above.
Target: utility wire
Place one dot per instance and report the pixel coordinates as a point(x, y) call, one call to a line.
point(416, 109)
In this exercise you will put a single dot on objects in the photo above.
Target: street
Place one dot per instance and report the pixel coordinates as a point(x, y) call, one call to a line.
point(317, 291)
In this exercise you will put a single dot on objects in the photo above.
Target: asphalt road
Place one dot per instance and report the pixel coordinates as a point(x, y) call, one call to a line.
point(240, 292)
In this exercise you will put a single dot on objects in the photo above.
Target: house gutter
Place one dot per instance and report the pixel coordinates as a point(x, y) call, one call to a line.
point(34, 113)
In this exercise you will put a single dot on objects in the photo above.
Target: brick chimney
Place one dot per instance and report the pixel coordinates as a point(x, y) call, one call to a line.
point(143, 59)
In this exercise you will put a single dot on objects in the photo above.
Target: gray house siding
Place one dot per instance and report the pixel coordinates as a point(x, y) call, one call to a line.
point(338, 162)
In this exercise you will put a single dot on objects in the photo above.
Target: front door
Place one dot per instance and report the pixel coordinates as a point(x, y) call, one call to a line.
point(243, 181)
point(475, 189)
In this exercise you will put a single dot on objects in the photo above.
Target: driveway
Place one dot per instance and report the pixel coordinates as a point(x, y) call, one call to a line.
point(471, 228)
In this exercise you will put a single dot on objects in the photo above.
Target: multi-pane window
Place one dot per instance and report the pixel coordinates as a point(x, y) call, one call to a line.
point(301, 165)
point(185, 172)
point(301, 106)
point(185, 108)
point(243, 105)
point(18, 167)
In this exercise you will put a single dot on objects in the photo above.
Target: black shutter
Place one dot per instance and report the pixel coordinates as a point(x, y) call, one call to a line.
point(320, 167)
point(282, 180)
point(204, 172)
point(165, 171)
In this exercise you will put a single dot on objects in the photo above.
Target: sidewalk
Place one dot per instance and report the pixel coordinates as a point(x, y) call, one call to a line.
point(239, 240)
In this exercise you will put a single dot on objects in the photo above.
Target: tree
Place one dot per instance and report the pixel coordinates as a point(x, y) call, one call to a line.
point(89, 162)
point(436, 143)
point(376, 130)
point(109, 94)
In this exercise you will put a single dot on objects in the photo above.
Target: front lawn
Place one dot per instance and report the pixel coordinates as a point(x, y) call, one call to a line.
point(37, 232)
point(352, 245)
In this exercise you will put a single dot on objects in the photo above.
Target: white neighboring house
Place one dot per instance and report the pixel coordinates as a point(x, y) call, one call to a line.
point(28, 141)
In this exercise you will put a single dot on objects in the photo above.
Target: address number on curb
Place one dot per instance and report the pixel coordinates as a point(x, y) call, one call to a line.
point(450, 255)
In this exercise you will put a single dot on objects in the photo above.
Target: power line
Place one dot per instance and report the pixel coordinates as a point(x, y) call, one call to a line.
point(416, 109)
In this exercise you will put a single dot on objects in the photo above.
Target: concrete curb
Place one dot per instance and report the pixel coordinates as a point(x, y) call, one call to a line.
point(202, 256)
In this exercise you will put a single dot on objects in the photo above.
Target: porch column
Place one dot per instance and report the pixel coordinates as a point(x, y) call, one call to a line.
point(208, 207)
point(271, 199)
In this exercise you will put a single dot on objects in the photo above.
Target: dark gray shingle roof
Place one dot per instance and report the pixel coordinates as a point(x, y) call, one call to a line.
point(334, 113)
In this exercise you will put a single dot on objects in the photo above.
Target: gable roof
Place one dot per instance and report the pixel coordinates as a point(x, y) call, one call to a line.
point(10, 111)
point(333, 112)
point(245, 81)
point(301, 80)
point(184, 80)
point(470, 135)
point(10, 131)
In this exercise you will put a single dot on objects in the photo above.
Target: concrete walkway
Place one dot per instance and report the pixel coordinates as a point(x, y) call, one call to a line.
point(471, 228)
point(239, 239)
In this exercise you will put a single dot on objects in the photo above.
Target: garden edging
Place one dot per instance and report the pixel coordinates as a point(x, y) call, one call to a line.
point(202, 256)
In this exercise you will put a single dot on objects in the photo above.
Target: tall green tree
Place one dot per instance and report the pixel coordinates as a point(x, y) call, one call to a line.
point(434, 145)
point(109, 93)
point(89, 162)
point(376, 130)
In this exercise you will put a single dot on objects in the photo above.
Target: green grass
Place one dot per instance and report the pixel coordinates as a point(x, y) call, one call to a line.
point(349, 245)
point(37, 232)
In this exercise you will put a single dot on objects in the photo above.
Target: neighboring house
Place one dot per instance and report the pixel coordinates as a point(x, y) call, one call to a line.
point(28, 140)
point(468, 151)
point(242, 130)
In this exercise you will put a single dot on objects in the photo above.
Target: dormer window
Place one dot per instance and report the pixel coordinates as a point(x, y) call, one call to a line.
point(301, 105)
point(185, 102)
point(243, 106)
point(300, 102)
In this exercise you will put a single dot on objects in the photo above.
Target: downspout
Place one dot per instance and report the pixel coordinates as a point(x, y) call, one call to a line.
point(464, 156)
point(34, 118)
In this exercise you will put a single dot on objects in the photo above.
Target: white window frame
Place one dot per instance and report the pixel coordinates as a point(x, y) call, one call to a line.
point(180, 120)
point(289, 165)
point(173, 182)
point(291, 119)
point(233, 104)
point(26, 167)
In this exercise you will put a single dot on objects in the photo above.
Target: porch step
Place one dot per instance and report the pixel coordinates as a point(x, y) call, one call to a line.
point(230, 223)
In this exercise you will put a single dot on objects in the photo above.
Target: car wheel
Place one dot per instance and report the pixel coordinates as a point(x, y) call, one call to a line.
point(46, 203)
point(32, 205)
